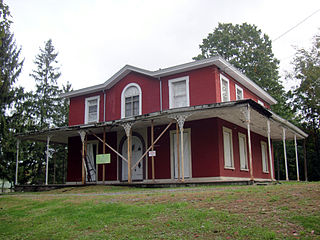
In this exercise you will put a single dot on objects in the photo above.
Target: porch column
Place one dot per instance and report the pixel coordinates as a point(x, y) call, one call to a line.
point(178, 149)
point(297, 160)
point(248, 120)
point(83, 136)
point(127, 129)
point(104, 152)
point(47, 155)
point(17, 161)
point(305, 160)
point(181, 118)
point(152, 148)
point(285, 152)
point(270, 153)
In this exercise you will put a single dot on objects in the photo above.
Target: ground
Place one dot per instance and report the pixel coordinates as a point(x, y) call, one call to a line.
point(282, 211)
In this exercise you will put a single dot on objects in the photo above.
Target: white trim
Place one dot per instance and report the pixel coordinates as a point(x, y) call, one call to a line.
point(263, 143)
point(123, 111)
point(260, 102)
point(228, 130)
point(170, 85)
point(223, 78)
point(241, 89)
point(172, 132)
point(245, 151)
point(86, 112)
point(216, 60)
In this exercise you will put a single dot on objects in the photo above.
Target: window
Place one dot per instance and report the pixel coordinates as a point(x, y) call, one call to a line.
point(239, 93)
point(228, 149)
point(92, 109)
point(131, 100)
point(225, 93)
point(264, 157)
point(179, 92)
point(243, 152)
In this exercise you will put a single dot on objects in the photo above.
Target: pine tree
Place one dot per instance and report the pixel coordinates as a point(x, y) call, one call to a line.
point(11, 67)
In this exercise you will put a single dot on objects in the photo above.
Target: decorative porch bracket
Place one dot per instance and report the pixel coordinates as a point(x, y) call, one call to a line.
point(48, 155)
point(246, 113)
point(83, 137)
point(181, 118)
point(127, 128)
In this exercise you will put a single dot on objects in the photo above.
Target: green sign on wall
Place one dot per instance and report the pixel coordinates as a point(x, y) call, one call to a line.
point(103, 158)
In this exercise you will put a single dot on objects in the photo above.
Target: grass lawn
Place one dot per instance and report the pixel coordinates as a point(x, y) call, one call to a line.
point(284, 211)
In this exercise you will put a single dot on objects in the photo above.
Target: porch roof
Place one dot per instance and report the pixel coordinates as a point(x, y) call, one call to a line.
point(233, 112)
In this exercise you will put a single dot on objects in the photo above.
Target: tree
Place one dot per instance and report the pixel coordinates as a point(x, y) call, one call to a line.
point(250, 51)
point(48, 109)
point(305, 100)
point(11, 67)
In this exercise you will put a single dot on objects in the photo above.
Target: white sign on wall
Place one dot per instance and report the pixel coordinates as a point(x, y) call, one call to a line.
point(152, 153)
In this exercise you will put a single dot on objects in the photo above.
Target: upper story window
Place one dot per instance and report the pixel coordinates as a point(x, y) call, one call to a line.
point(131, 100)
point(179, 92)
point(92, 109)
point(225, 90)
point(239, 93)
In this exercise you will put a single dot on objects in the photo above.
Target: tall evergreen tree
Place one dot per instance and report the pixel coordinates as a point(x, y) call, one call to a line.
point(48, 109)
point(11, 66)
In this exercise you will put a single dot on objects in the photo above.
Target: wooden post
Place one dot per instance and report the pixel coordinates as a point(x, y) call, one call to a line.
point(249, 143)
point(152, 144)
point(182, 154)
point(17, 161)
point(305, 160)
point(285, 152)
point(83, 135)
point(129, 157)
point(270, 153)
point(178, 150)
point(47, 162)
point(104, 152)
point(297, 160)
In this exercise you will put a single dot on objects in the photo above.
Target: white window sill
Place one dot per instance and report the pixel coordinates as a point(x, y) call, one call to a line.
point(229, 168)
point(244, 169)
point(265, 172)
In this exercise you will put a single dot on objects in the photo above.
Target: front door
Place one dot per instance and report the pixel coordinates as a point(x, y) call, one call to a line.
point(187, 153)
point(137, 151)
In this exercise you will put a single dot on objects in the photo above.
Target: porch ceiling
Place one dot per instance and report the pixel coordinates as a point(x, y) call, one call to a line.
point(233, 112)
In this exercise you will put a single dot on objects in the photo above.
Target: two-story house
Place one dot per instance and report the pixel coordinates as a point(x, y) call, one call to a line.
point(201, 121)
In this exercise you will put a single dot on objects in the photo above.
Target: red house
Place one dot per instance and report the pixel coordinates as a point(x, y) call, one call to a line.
point(201, 121)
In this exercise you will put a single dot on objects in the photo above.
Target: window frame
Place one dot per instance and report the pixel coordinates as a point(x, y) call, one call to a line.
point(170, 86)
point(266, 157)
point(223, 78)
point(123, 99)
point(228, 130)
point(242, 93)
point(86, 114)
point(241, 135)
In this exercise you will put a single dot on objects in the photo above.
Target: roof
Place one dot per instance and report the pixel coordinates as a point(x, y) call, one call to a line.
point(216, 60)
point(224, 110)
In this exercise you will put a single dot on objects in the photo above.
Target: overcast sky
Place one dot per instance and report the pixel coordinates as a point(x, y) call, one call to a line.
point(96, 38)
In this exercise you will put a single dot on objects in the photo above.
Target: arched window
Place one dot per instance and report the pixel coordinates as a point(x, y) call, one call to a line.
point(131, 100)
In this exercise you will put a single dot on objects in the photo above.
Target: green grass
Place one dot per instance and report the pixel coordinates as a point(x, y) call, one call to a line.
point(286, 211)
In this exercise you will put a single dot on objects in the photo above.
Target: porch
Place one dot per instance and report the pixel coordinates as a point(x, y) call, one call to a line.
point(254, 118)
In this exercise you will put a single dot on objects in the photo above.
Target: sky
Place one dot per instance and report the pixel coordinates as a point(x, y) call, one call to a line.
point(96, 38)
